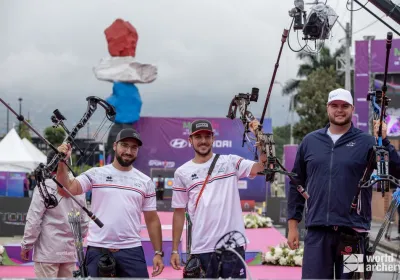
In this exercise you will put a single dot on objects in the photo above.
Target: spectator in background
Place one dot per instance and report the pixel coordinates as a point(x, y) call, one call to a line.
point(160, 188)
point(26, 185)
point(48, 233)
point(32, 184)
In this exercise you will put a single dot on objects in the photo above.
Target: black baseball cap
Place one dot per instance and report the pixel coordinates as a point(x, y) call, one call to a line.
point(200, 125)
point(128, 133)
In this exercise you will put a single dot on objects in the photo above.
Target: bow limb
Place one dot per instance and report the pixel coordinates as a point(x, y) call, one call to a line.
point(58, 119)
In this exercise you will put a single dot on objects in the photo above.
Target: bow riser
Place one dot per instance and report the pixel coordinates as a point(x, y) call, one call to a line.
point(264, 141)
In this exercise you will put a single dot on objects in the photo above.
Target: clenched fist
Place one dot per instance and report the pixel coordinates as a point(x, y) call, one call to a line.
point(65, 149)
point(376, 129)
point(253, 125)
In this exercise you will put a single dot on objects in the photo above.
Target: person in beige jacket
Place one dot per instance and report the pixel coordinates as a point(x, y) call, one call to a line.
point(48, 233)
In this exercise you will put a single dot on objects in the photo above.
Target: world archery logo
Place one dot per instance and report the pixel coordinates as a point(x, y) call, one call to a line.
point(353, 263)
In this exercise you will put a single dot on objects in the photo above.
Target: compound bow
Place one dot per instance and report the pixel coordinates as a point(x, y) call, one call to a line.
point(264, 141)
point(43, 172)
point(379, 157)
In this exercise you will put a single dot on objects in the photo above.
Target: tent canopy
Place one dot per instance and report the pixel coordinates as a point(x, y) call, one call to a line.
point(34, 152)
point(15, 155)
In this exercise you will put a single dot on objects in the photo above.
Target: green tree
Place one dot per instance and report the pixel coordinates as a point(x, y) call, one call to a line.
point(313, 94)
point(324, 58)
point(54, 135)
point(80, 169)
point(281, 137)
point(24, 131)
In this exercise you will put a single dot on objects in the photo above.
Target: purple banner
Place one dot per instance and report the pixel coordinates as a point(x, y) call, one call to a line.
point(289, 154)
point(355, 120)
point(166, 146)
point(370, 60)
point(361, 84)
point(3, 183)
point(378, 51)
point(15, 184)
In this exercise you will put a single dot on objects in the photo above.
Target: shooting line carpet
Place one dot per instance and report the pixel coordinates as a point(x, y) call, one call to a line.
point(260, 240)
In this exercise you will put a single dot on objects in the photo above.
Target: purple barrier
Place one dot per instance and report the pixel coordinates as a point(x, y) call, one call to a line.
point(289, 154)
point(370, 64)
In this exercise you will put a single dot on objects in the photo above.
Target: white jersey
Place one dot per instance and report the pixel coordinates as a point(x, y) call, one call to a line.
point(219, 210)
point(118, 199)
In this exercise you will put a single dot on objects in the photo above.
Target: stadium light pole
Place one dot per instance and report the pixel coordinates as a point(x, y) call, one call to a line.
point(20, 112)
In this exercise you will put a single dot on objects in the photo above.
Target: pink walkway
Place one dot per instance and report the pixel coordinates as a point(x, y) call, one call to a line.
point(257, 272)
point(260, 240)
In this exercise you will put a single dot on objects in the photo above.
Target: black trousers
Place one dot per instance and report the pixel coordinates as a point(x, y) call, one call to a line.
point(228, 265)
point(129, 262)
point(159, 195)
point(325, 254)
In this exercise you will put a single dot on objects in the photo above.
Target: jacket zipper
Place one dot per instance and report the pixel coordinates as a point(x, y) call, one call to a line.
point(329, 188)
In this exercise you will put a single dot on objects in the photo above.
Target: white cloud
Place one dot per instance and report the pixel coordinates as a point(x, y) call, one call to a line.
point(41, 71)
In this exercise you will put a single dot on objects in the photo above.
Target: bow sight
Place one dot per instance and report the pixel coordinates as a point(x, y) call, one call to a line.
point(242, 100)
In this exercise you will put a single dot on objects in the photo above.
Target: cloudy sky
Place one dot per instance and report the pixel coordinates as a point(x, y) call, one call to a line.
point(205, 51)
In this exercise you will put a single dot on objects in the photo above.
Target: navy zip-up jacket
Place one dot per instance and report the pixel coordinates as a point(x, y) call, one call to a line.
point(331, 173)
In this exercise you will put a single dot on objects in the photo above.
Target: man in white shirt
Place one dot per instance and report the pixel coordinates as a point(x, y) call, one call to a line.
point(218, 210)
point(120, 193)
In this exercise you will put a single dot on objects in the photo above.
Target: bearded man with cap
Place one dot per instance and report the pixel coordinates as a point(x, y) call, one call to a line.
point(120, 193)
point(214, 210)
point(329, 163)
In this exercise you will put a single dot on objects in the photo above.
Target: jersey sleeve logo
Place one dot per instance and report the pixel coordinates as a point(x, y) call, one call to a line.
point(238, 163)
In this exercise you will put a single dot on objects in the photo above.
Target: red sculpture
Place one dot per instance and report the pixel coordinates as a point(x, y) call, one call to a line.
point(122, 38)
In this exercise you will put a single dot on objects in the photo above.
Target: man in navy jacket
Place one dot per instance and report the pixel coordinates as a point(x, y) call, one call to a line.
point(330, 163)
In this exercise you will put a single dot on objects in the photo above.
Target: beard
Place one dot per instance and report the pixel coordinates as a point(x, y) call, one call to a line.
point(124, 163)
point(202, 153)
point(344, 122)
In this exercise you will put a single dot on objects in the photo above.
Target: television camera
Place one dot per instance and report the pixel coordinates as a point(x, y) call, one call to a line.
point(318, 24)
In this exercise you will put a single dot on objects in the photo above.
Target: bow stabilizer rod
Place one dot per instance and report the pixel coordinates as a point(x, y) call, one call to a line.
point(283, 40)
